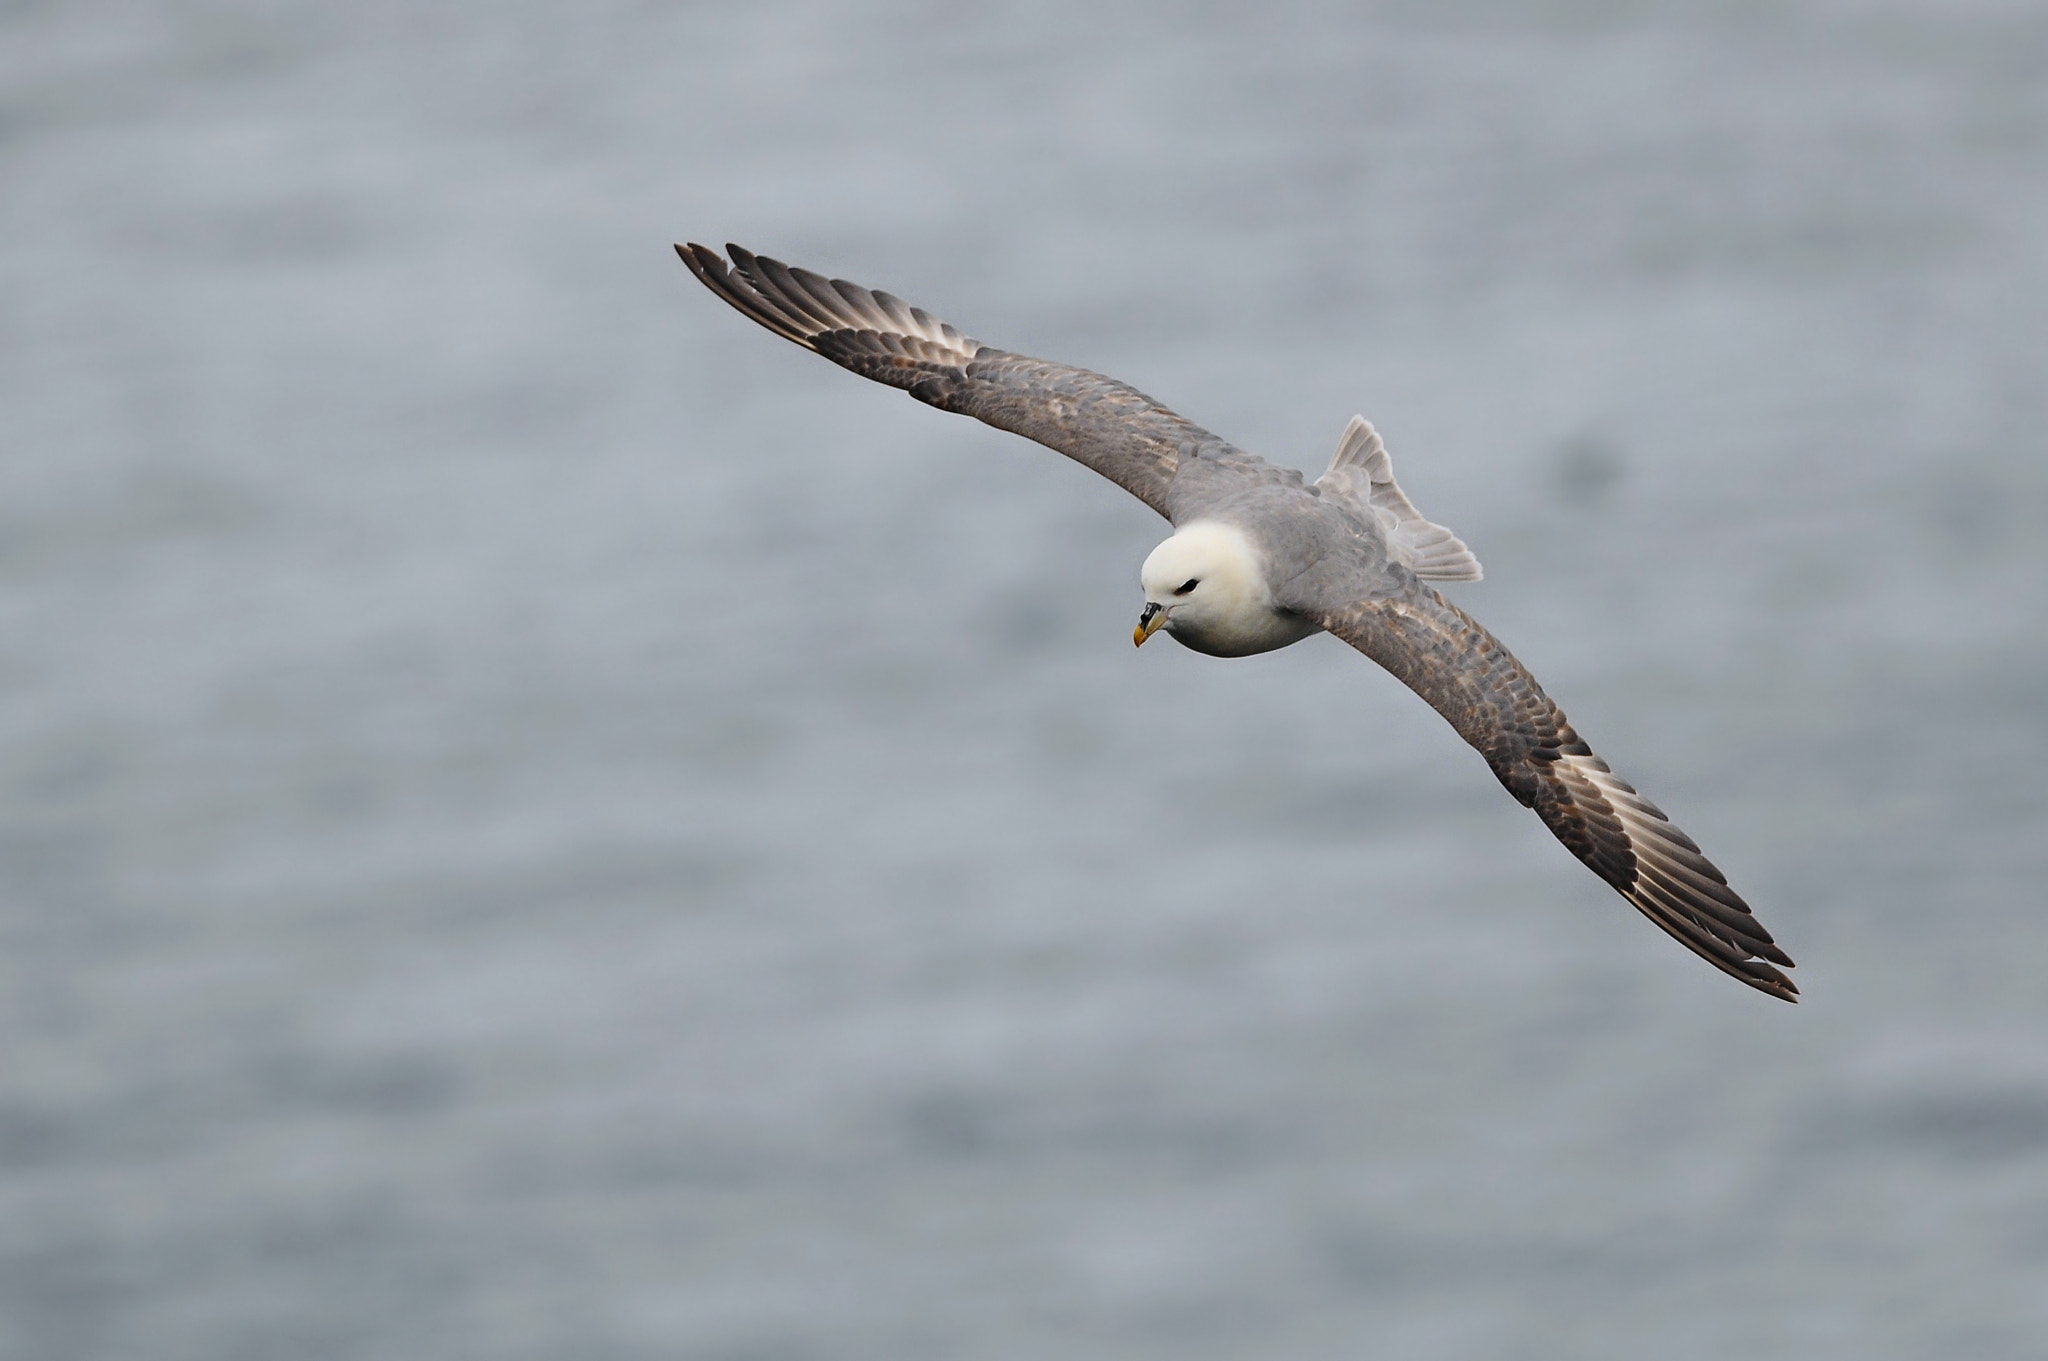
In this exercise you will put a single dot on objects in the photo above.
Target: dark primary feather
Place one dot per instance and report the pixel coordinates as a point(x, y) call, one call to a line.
point(1442, 654)
point(1098, 422)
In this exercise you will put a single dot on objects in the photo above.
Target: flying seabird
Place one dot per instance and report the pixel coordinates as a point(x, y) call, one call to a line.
point(1258, 559)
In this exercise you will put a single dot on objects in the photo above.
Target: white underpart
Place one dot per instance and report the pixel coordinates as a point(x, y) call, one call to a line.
point(1231, 611)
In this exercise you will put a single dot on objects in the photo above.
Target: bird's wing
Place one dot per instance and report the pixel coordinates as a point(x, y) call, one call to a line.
point(1439, 652)
point(1096, 421)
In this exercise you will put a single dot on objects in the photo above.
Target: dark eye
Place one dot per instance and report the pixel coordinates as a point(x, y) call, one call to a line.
point(1186, 586)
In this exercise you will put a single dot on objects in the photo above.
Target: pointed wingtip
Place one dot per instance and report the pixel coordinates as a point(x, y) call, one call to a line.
point(702, 263)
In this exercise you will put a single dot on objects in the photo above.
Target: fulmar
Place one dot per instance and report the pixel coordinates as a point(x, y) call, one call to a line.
point(1259, 559)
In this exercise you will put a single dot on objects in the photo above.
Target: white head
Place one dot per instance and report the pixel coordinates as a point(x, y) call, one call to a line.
point(1207, 587)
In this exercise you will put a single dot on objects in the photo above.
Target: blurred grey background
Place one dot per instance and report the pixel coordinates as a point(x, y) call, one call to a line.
point(541, 821)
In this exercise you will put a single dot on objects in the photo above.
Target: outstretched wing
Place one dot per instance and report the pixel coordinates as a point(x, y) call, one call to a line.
point(1439, 652)
point(1096, 421)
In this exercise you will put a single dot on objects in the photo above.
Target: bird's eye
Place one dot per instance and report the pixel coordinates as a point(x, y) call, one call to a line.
point(1186, 586)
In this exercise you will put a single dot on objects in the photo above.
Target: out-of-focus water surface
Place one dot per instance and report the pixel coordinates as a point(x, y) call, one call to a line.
point(540, 820)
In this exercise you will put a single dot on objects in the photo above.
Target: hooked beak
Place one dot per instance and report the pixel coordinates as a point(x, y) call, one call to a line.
point(1149, 623)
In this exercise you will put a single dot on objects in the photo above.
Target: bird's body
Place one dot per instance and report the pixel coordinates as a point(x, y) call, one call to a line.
point(1261, 558)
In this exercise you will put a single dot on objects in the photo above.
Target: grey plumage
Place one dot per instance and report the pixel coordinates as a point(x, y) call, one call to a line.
point(1348, 554)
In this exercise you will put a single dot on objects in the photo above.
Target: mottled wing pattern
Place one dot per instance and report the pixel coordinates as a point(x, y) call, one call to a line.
point(1465, 673)
point(1096, 421)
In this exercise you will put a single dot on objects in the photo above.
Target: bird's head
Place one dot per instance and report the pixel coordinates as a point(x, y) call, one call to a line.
point(1202, 582)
